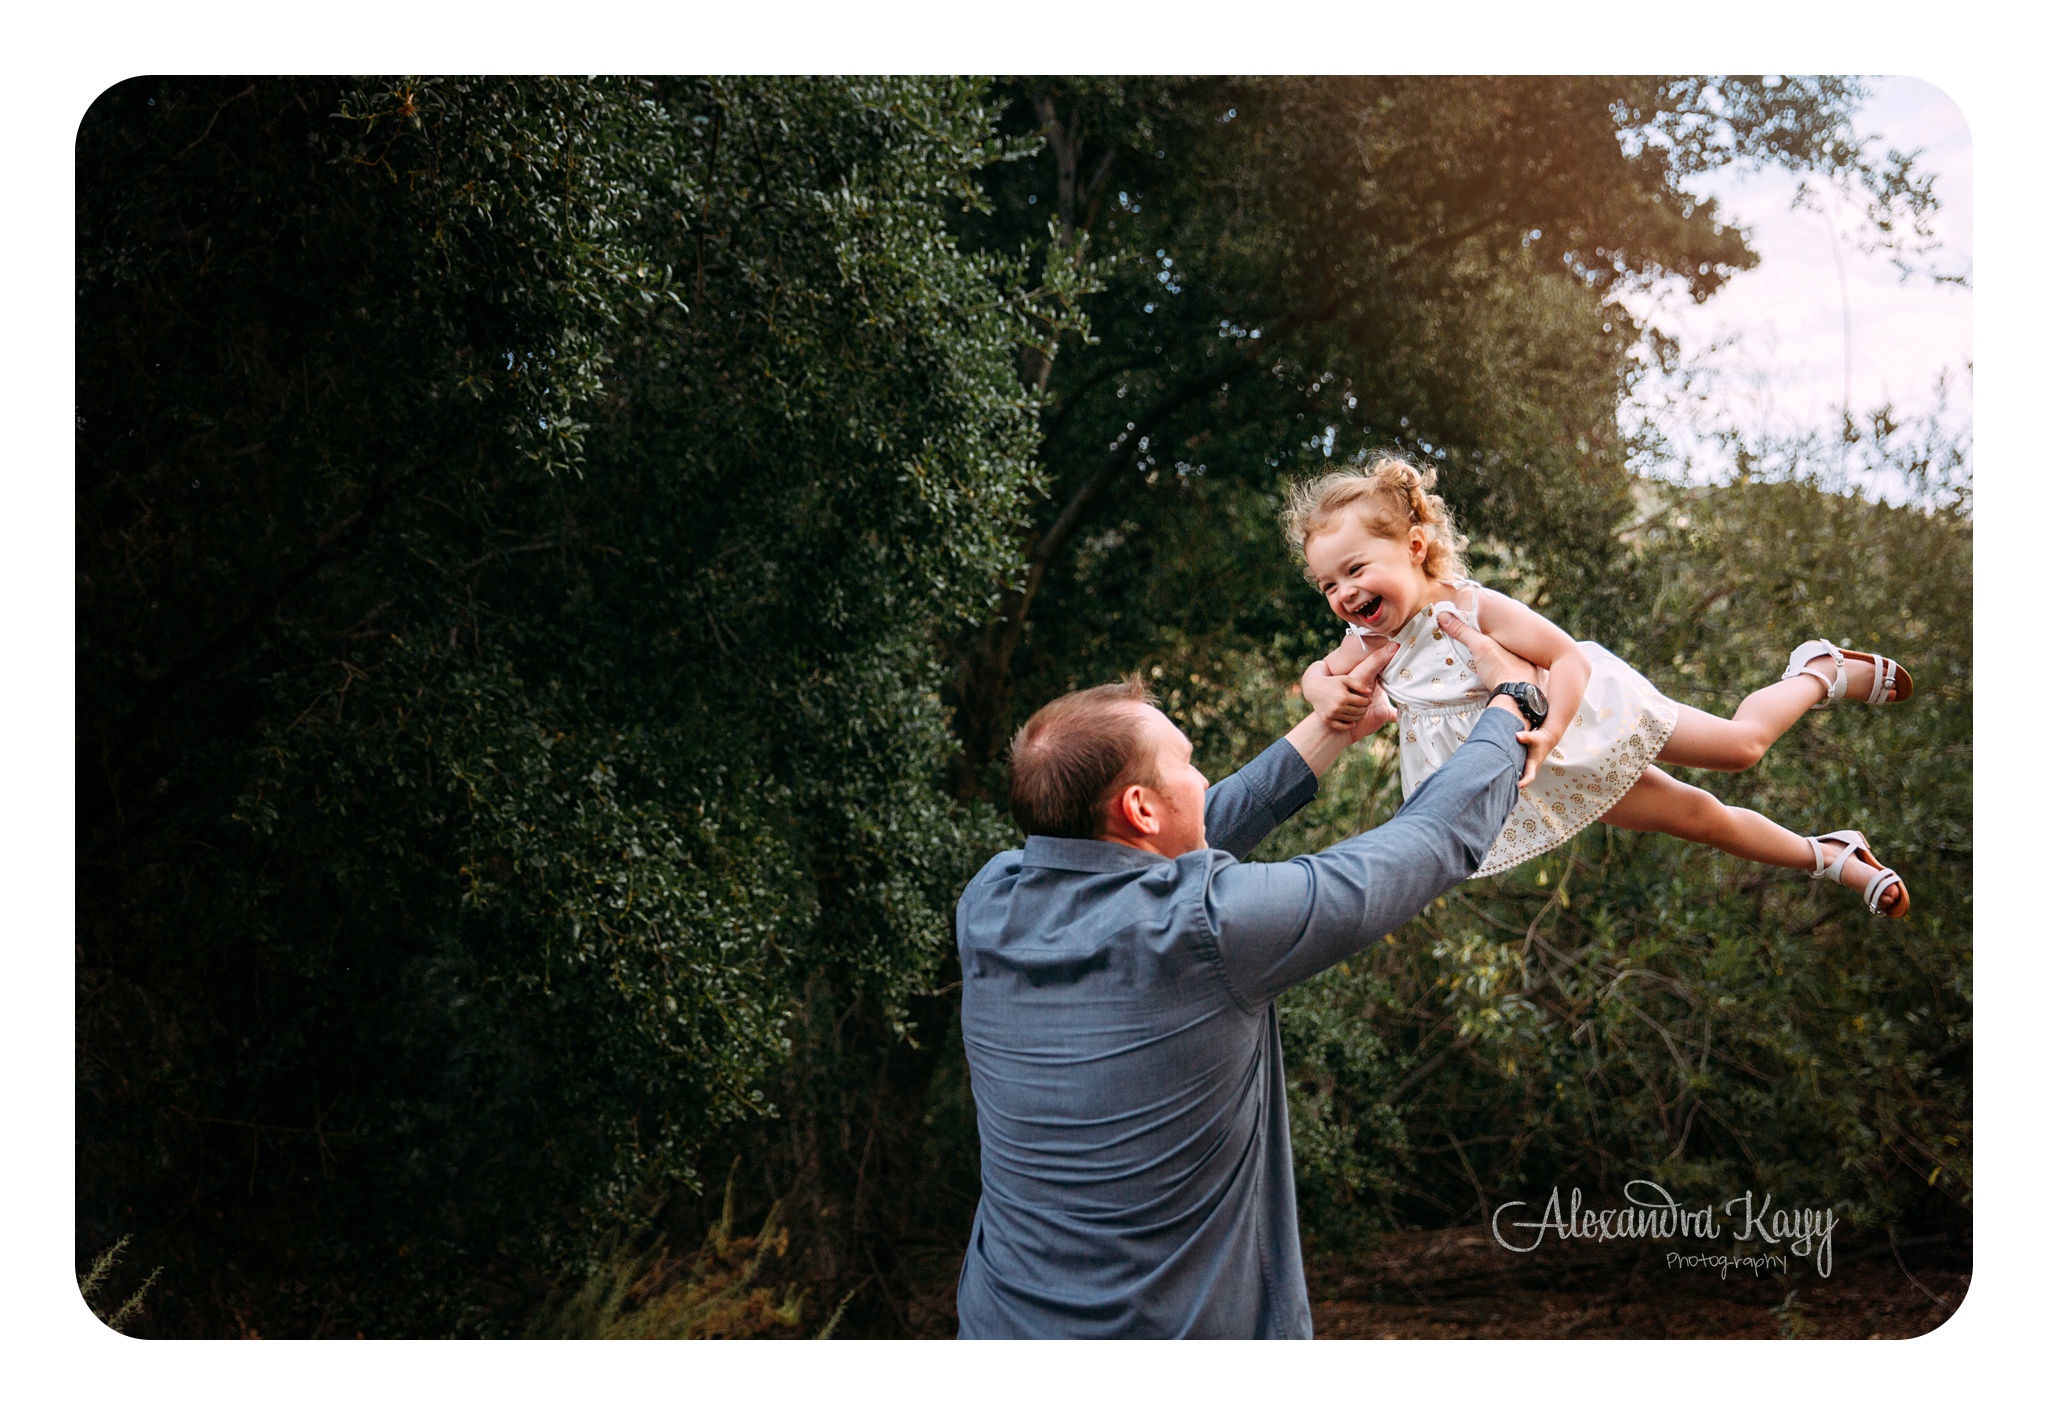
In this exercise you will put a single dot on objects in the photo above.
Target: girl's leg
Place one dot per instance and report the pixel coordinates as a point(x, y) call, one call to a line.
point(1736, 744)
point(1660, 803)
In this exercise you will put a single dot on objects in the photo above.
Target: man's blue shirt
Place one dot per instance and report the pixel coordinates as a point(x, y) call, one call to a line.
point(1117, 1008)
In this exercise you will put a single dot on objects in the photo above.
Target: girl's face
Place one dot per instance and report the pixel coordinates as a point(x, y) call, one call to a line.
point(1369, 580)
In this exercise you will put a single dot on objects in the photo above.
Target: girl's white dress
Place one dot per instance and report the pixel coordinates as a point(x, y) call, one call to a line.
point(1613, 738)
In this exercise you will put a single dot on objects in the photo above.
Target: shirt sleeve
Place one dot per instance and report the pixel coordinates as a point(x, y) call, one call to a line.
point(1243, 808)
point(1277, 925)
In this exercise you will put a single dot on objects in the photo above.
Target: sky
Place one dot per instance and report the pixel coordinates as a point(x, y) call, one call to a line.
point(1767, 350)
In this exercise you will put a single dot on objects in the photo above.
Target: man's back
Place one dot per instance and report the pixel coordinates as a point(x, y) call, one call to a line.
point(1133, 1114)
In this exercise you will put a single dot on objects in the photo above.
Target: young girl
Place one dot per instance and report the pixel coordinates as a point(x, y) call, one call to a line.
point(1381, 548)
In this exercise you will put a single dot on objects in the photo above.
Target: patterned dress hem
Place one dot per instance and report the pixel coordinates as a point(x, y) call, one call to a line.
point(1568, 822)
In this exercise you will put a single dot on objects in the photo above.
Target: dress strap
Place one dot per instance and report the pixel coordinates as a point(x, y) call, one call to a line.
point(1474, 586)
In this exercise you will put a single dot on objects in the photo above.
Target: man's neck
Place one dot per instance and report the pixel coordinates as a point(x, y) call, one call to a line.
point(1148, 843)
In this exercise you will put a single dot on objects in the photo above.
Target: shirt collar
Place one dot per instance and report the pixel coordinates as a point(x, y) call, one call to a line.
point(1095, 857)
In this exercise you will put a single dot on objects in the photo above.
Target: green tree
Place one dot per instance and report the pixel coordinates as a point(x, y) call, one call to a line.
point(516, 524)
point(1432, 264)
point(1292, 270)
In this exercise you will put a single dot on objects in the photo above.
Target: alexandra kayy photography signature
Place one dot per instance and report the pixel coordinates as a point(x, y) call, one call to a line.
point(1653, 1214)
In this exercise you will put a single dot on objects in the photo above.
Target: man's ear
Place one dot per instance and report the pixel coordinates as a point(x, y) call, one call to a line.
point(1132, 808)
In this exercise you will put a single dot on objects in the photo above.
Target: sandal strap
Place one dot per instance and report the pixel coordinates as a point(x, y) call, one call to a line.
point(1882, 680)
point(1853, 843)
point(1850, 840)
point(1800, 662)
point(1874, 891)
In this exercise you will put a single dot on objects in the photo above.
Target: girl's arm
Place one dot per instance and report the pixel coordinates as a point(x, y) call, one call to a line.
point(1522, 630)
point(1343, 658)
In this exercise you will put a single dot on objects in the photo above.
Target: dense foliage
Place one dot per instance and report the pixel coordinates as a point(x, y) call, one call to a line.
point(516, 526)
point(1295, 269)
point(1634, 1007)
point(558, 560)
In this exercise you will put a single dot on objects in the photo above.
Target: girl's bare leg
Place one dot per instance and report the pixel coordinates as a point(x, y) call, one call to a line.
point(1736, 744)
point(1660, 803)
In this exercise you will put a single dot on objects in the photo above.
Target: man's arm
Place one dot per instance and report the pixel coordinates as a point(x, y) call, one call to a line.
point(1276, 925)
point(1246, 806)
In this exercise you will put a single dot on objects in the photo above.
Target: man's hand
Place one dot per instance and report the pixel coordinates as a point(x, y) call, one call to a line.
point(1353, 703)
point(1321, 743)
point(1496, 665)
point(1539, 742)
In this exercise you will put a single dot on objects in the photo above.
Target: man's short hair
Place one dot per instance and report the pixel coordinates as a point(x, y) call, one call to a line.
point(1075, 754)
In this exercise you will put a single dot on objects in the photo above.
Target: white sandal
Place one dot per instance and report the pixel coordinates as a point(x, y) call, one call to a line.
point(1853, 843)
point(1889, 683)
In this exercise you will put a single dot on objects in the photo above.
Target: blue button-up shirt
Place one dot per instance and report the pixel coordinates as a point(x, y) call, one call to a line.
point(1117, 1008)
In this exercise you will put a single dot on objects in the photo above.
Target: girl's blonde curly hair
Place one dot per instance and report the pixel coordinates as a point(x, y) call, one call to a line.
point(1390, 497)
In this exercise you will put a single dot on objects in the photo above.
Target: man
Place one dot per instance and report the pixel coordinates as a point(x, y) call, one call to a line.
point(1119, 974)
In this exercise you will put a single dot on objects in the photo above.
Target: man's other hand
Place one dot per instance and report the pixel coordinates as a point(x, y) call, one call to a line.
point(1495, 664)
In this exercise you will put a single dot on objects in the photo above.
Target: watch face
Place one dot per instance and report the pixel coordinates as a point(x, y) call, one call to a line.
point(1530, 699)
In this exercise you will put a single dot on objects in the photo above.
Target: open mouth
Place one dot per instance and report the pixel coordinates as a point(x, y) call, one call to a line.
point(1371, 608)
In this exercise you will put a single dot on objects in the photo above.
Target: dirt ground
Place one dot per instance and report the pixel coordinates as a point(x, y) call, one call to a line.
point(1457, 1283)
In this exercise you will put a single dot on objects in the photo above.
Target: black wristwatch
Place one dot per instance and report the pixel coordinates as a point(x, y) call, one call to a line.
point(1529, 698)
